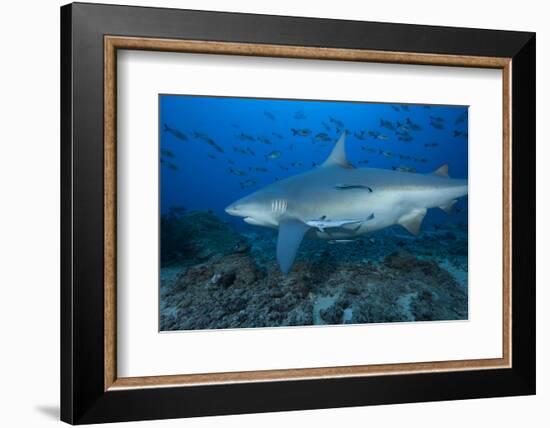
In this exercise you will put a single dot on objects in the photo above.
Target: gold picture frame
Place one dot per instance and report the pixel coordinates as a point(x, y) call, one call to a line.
point(114, 43)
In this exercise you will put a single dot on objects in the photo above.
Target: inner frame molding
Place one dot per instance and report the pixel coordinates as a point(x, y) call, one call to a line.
point(114, 43)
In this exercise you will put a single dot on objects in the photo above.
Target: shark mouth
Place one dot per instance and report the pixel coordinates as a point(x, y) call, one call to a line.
point(252, 221)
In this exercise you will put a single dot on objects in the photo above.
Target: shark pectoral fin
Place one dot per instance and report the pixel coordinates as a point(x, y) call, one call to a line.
point(412, 220)
point(448, 208)
point(291, 233)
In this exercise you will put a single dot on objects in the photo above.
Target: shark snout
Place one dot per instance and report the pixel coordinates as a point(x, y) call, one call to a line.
point(239, 208)
point(232, 210)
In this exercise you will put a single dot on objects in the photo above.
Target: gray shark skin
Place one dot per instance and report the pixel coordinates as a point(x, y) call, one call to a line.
point(348, 201)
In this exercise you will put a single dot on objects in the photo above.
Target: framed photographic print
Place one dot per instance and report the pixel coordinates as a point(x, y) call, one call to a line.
point(266, 213)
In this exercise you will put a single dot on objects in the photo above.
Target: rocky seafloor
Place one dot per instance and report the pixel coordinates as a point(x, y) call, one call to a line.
point(213, 277)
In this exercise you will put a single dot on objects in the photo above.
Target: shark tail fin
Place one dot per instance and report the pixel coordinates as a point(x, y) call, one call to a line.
point(442, 171)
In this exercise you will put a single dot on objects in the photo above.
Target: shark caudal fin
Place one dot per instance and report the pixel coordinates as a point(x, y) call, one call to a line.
point(443, 171)
point(338, 154)
point(291, 233)
point(412, 220)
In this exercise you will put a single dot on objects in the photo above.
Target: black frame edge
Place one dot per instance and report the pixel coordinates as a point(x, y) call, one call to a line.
point(524, 213)
point(305, 31)
point(66, 306)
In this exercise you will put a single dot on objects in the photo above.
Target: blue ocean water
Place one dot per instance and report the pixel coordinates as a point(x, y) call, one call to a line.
point(215, 150)
point(219, 272)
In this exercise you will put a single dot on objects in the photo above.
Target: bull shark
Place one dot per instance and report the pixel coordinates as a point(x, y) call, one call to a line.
point(338, 202)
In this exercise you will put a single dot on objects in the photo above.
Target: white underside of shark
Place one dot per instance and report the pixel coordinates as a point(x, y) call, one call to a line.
point(337, 202)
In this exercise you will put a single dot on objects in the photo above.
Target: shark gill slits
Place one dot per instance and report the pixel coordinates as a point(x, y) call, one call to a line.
point(279, 206)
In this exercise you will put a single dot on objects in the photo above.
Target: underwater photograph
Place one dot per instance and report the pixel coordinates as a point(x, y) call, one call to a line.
point(283, 212)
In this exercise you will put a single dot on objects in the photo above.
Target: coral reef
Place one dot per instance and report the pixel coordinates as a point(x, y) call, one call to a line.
point(189, 238)
point(213, 277)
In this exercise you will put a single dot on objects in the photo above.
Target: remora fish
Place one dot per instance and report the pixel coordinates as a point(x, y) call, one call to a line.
point(399, 198)
point(325, 223)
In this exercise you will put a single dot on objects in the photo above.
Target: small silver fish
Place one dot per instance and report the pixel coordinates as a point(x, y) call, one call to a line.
point(273, 155)
point(269, 115)
point(461, 117)
point(237, 172)
point(300, 132)
point(247, 183)
point(175, 132)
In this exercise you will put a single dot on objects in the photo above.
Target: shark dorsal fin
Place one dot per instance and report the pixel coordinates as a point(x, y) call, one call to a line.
point(442, 171)
point(338, 154)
